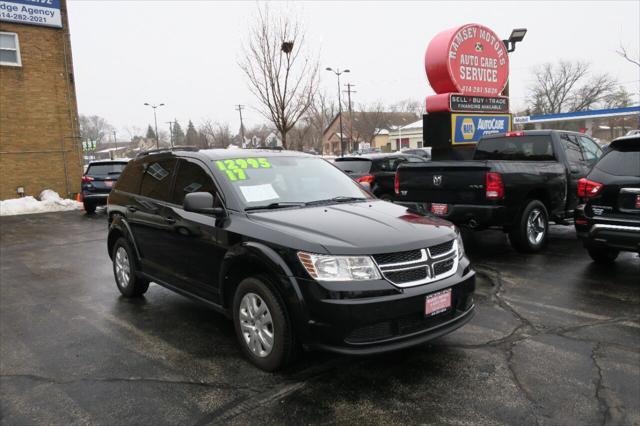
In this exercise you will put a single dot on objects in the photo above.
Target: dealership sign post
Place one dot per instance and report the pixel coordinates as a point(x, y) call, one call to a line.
point(468, 68)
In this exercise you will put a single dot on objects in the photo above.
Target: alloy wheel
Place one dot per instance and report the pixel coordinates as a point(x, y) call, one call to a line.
point(536, 226)
point(256, 325)
point(123, 267)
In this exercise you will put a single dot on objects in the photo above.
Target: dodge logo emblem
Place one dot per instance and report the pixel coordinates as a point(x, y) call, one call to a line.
point(437, 180)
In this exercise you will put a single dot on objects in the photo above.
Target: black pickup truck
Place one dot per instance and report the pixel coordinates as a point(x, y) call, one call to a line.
point(517, 181)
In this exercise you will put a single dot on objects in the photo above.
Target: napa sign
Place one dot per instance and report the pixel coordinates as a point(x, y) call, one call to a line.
point(469, 128)
point(45, 13)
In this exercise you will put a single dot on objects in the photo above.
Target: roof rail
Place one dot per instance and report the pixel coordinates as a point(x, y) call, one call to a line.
point(175, 148)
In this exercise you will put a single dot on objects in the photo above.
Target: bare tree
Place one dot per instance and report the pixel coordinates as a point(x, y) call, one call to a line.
point(567, 86)
point(322, 111)
point(94, 128)
point(372, 119)
point(217, 135)
point(408, 105)
point(623, 52)
point(281, 73)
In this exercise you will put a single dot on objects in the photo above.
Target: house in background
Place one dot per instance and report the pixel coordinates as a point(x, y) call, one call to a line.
point(408, 136)
point(361, 130)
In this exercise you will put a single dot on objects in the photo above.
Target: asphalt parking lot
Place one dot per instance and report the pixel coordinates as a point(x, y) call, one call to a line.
point(556, 340)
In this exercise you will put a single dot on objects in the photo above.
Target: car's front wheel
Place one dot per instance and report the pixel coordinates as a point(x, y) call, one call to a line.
point(262, 325)
point(125, 270)
point(603, 255)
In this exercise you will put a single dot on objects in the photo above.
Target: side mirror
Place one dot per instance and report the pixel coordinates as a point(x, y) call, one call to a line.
point(574, 170)
point(201, 202)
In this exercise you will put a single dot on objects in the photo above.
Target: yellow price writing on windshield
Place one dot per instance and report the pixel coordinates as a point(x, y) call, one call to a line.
point(234, 168)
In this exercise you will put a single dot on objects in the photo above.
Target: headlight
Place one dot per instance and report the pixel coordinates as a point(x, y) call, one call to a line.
point(339, 268)
point(460, 243)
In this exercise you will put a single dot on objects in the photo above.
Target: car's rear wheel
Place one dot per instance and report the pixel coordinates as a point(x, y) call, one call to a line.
point(125, 270)
point(262, 325)
point(89, 208)
point(603, 255)
point(529, 234)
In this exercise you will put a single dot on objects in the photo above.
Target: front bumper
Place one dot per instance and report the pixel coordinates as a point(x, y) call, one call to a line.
point(473, 216)
point(394, 320)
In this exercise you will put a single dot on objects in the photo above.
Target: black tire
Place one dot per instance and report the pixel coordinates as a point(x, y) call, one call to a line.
point(519, 235)
point(283, 350)
point(603, 255)
point(89, 208)
point(135, 286)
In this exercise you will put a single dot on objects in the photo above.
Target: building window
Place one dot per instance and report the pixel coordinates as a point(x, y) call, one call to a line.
point(10, 50)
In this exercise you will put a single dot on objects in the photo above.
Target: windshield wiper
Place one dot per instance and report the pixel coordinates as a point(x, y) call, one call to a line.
point(279, 205)
point(340, 199)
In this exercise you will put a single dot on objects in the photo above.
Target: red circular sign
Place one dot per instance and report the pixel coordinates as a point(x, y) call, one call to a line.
point(470, 59)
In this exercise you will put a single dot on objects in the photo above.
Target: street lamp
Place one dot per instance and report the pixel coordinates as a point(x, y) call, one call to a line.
point(517, 35)
point(155, 118)
point(337, 72)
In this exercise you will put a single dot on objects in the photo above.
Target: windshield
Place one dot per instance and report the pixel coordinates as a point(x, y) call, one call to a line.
point(515, 148)
point(266, 182)
point(105, 169)
point(351, 165)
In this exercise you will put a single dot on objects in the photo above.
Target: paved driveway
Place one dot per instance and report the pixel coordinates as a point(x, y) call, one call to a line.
point(556, 341)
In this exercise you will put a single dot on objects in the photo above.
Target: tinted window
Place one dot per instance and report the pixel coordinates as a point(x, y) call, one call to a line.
point(129, 180)
point(191, 178)
point(571, 148)
point(389, 164)
point(157, 179)
point(620, 163)
point(590, 150)
point(416, 160)
point(515, 148)
point(353, 165)
point(106, 169)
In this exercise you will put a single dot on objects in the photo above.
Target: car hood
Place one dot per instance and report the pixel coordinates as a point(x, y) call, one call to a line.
point(354, 228)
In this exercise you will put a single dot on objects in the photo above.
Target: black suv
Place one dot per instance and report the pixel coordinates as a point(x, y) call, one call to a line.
point(376, 171)
point(97, 182)
point(290, 248)
point(608, 218)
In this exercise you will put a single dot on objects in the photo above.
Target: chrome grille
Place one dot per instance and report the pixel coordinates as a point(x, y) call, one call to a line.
point(416, 267)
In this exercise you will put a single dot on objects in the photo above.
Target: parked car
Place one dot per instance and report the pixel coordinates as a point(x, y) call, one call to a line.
point(607, 219)
point(97, 182)
point(376, 171)
point(517, 182)
point(420, 152)
point(290, 248)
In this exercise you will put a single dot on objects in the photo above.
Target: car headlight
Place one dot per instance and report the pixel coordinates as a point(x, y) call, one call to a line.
point(460, 243)
point(339, 268)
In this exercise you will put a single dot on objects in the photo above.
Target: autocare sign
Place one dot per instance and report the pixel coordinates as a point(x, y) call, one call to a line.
point(44, 13)
point(469, 128)
point(471, 60)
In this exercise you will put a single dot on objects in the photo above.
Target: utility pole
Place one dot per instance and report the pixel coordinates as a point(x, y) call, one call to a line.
point(239, 108)
point(115, 141)
point(349, 92)
point(170, 123)
point(337, 72)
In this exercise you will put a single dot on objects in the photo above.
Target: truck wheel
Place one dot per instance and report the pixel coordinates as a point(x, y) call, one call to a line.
point(262, 325)
point(124, 270)
point(529, 233)
point(603, 255)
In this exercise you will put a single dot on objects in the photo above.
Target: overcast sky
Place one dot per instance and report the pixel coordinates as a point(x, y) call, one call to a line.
point(185, 53)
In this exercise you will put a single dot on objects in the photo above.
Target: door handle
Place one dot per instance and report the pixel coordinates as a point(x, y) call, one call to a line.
point(132, 209)
point(169, 220)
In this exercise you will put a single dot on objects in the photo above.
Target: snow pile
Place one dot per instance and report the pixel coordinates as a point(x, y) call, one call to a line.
point(49, 201)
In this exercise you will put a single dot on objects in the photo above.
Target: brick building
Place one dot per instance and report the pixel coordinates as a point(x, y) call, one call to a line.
point(39, 134)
